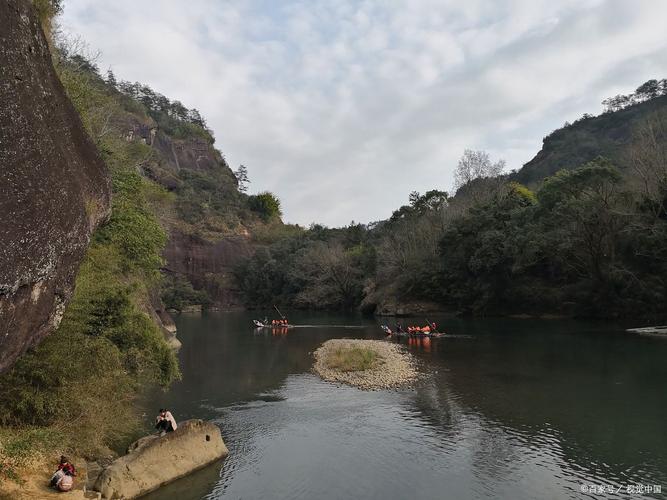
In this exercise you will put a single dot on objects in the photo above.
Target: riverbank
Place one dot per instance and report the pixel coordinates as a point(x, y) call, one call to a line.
point(365, 364)
point(35, 483)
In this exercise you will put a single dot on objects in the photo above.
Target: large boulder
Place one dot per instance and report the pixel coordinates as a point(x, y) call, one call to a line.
point(154, 461)
point(54, 187)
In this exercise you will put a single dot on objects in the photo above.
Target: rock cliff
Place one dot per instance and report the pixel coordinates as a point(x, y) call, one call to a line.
point(208, 265)
point(201, 249)
point(54, 188)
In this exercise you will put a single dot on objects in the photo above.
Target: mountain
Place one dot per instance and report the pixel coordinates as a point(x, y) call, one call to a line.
point(205, 215)
point(608, 135)
point(115, 205)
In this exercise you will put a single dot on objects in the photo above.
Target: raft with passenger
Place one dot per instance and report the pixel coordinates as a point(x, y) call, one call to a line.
point(429, 331)
point(281, 322)
point(275, 323)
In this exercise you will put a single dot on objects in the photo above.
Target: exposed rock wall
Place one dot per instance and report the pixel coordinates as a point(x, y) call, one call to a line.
point(209, 265)
point(154, 461)
point(190, 154)
point(54, 188)
point(163, 320)
point(206, 264)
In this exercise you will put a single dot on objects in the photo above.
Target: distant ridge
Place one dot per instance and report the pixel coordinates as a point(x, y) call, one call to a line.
point(607, 135)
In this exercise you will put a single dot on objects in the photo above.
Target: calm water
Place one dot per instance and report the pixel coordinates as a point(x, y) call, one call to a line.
point(515, 409)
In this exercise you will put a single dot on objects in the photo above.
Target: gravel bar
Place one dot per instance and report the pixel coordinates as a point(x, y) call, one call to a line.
point(395, 369)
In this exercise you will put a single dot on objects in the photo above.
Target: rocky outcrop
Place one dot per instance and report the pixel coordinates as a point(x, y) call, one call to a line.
point(203, 256)
point(190, 154)
point(163, 320)
point(391, 307)
point(209, 265)
point(54, 188)
point(154, 461)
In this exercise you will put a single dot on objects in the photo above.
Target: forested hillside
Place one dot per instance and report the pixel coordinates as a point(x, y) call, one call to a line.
point(609, 134)
point(208, 217)
point(586, 237)
point(580, 230)
point(179, 220)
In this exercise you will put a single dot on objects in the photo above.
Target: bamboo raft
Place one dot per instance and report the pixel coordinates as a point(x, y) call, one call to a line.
point(651, 331)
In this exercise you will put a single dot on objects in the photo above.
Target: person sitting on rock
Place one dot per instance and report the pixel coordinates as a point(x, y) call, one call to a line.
point(65, 468)
point(165, 422)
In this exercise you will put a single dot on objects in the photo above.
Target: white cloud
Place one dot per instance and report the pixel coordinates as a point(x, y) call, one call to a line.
point(342, 108)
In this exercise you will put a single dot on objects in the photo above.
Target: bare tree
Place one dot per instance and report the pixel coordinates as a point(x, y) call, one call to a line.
point(405, 252)
point(329, 275)
point(648, 158)
point(473, 173)
point(74, 49)
point(476, 165)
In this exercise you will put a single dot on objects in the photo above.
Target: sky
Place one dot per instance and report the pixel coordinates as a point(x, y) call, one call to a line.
point(343, 107)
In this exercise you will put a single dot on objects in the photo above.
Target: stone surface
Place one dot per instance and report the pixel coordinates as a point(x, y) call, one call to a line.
point(204, 260)
point(54, 187)
point(208, 265)
point(163, 320)
point(153, 461)
point(391, 307)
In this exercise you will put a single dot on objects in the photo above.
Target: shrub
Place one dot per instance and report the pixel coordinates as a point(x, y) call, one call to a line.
point(178, 293)
point(132, 228)
point(266, 204)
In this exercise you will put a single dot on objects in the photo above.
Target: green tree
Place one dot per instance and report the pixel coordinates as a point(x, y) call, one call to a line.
point(241, 175)
point(266, 204)
point(584, 211)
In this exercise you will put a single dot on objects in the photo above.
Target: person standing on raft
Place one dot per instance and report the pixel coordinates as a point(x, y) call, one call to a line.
point(165, 422)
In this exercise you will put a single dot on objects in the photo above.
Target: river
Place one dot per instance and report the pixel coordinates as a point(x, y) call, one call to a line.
point(516, 409)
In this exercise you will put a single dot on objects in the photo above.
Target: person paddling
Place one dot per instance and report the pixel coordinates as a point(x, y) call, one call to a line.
point(165, 422)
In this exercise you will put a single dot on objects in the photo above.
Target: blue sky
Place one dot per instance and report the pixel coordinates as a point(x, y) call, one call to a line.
point(342, 107)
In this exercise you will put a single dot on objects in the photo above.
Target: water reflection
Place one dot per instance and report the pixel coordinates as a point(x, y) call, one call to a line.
point(505, 409)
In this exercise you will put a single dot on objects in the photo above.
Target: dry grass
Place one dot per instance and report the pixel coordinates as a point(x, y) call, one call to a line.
point(353, 359)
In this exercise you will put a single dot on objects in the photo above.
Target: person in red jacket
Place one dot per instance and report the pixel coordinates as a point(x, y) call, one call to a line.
point(65, 468)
